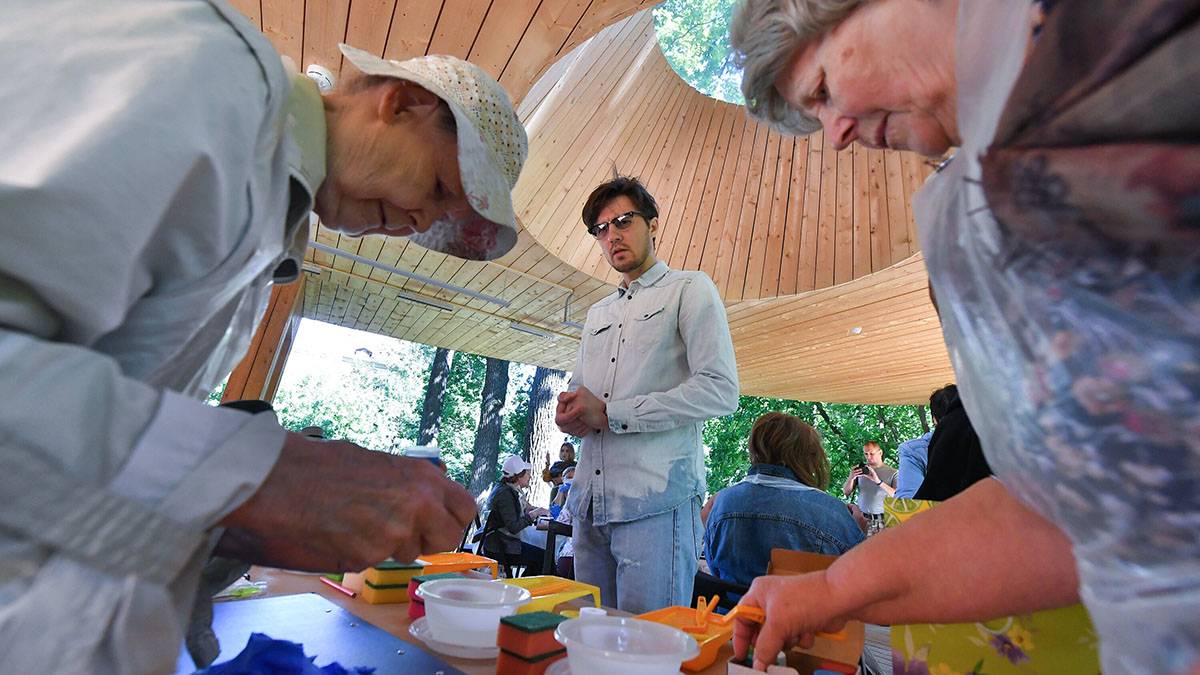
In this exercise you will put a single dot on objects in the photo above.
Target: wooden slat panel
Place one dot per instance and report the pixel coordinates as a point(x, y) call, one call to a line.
point(411, 28)
point(772, 256)
point(503, 28)
point(843, 231)
point(543, 40)
point(324, 28)
point(827, 219)
point(733, 212)
point(789, 261)
point(369, 23)
point(283, 24)
point(458, 27)
point(251, 8)
point(809, 222)
point(727, 173)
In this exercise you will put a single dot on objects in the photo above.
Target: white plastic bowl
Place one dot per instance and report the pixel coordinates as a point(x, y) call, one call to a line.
point(467, 612)
point(607, 644)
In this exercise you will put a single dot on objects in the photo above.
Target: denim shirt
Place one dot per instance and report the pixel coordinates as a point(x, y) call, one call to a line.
point(750, 518)
point(659, 354)
point(914, 457)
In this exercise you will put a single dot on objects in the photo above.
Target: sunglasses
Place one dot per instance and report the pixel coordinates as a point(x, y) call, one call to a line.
point(621, 222)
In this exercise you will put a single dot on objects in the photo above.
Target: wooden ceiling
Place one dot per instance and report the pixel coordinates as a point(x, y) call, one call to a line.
point(806, 244)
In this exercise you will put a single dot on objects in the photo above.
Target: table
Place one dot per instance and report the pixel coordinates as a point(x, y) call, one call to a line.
point(394, 618)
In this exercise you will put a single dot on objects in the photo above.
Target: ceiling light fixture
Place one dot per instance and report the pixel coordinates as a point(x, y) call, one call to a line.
point(529, 330)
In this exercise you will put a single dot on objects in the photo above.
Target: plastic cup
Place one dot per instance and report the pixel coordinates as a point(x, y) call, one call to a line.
point(467, 612)
point(602, 645)
point(431, 453)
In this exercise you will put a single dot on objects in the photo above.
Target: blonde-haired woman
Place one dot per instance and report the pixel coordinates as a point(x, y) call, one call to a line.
point(780, 504)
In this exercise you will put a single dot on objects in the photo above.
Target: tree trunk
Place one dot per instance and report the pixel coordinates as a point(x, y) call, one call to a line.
point(924, 422)
point(487, 434)
point(435, 395)
point(542, 438)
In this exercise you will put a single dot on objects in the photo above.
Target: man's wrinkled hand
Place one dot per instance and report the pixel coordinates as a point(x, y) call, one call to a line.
point(332, 506)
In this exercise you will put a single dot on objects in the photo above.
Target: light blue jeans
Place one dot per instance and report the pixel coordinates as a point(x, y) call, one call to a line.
point(643, 564)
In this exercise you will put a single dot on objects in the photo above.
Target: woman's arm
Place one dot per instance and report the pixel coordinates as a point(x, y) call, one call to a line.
point(978, 556)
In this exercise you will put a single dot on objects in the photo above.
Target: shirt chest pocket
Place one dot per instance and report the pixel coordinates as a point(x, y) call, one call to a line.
point(651, 328)
point(597, 339)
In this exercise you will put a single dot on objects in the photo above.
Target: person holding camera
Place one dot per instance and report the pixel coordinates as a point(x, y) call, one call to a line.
point(874, 480)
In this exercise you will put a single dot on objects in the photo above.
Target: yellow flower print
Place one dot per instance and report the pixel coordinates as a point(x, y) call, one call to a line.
point(943, 669)
point(1021, 637)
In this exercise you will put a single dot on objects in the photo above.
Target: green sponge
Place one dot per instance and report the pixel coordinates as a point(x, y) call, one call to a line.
point(533, 622)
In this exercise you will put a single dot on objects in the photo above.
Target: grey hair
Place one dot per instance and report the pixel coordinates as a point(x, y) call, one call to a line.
point(764, 35)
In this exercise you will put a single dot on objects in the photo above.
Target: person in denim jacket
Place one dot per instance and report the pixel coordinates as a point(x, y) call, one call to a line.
point(780, 504)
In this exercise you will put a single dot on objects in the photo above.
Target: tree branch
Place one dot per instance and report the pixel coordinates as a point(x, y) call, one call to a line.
point(825, 416)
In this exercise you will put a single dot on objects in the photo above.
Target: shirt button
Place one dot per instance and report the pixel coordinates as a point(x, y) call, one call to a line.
point(624, 426)
point(618, 325)
point(606, 396)
point(613, 359)
point(597, 472)
point(645, 316)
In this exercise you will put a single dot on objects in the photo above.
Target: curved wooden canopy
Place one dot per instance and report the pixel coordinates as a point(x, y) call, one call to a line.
point(814, 251)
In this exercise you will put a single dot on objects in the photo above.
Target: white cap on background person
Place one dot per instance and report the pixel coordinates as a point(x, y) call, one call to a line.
point(514, 465)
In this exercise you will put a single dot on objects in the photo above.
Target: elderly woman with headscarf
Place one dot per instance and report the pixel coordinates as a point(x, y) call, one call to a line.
point(1062, 243)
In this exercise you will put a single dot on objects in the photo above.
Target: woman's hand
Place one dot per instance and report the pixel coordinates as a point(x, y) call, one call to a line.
point(797, 607)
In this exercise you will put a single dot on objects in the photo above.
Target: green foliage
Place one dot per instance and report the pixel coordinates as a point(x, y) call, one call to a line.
point(694, 36)
point(367, 398)
point(726, 437)
point(460, 414)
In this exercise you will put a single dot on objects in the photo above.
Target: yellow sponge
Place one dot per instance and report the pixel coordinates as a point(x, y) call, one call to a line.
point(384, 594)
point(390, 573)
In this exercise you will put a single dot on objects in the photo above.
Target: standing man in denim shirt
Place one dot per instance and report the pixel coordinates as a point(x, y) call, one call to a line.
point(655, 361)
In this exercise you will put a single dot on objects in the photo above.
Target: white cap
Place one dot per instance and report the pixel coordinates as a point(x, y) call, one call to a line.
point(515, 465)
point(492, 147)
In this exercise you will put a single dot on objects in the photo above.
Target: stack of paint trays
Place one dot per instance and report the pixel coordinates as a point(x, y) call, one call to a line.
point(527, 644)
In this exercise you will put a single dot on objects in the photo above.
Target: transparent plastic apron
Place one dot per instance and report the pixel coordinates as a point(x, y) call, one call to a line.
point(1147, 613)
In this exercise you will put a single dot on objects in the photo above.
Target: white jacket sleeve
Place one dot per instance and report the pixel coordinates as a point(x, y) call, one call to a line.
point(124, 177)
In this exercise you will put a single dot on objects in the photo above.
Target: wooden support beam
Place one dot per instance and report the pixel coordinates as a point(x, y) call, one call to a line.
point(256, 376)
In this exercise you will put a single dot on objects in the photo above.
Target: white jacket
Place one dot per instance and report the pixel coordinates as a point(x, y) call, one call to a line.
point(147, 189)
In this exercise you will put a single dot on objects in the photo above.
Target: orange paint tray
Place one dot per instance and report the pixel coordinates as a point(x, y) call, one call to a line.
point(710, 640)
point(436, 563)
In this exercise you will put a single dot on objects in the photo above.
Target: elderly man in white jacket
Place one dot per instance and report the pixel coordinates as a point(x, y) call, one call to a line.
point(158, 172)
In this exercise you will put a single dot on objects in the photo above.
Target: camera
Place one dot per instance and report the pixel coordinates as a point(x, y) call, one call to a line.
point(862, 467)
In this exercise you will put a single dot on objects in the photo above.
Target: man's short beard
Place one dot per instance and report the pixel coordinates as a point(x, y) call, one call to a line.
point(638, 262)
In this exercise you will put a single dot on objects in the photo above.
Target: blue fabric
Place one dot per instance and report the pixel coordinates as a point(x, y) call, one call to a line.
point(914, 457)
point(265, 656)
point(748, 520)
